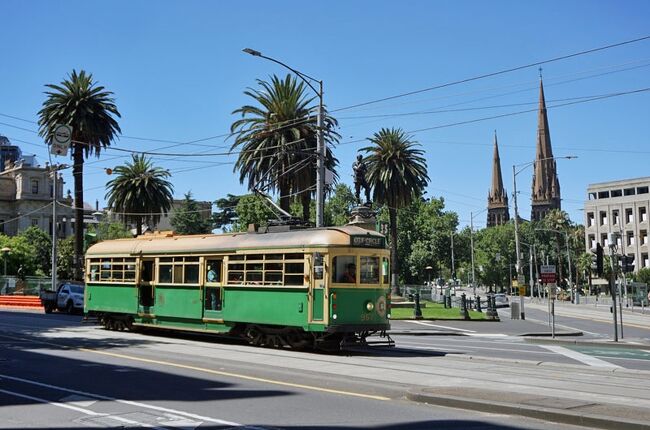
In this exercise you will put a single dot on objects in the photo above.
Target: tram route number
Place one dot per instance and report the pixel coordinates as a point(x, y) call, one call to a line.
point(366, 317)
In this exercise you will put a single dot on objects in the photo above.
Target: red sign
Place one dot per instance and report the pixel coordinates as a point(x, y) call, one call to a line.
point(548, 278)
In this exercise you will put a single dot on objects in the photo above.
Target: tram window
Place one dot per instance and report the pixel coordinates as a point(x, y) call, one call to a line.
point(237, 257)
point(191, 275)
point(254, 266)
point(165, 273)
point(255, 277)
point(273, 277)
point(369, 273)
point(384, 270)
point(235, 277)
point(294, 256)
point(273, 266)
point(213, 271)
point(274, 257)
point(237, 267)
point(178, 274)
point(213, 300)
point(251, 257)
point(294, 279)
point(294, 268)
point(344, 269)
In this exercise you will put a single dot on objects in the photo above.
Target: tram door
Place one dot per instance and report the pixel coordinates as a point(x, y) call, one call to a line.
point(146, 292)
point(317, 287)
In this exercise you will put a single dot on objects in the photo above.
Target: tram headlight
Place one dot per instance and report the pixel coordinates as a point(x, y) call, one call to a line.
point(333, 316)
point(370, 306)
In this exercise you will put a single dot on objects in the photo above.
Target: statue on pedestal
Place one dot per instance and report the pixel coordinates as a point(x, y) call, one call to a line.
point(360, 170)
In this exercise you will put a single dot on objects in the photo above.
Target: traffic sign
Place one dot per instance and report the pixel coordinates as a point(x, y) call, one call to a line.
point(61, 139)
point(547, 273)
point(521, 279)
point(522, 290)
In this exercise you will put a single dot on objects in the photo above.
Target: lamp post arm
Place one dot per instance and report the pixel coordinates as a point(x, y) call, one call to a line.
point(306, 78)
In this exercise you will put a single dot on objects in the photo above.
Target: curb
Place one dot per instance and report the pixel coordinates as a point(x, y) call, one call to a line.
point(549, 334)
point(542, 413)
point(606, 343)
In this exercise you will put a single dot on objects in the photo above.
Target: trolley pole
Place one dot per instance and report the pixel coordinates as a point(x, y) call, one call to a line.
point(54, 186)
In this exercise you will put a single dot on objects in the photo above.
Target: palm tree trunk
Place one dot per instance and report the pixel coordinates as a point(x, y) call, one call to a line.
point(305, 199)
point(394, 270)
point(77, 172)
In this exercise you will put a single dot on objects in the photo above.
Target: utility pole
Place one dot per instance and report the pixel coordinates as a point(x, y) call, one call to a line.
point(471, 239)
point(54, 177)
point(518, 260)
point(320, 162)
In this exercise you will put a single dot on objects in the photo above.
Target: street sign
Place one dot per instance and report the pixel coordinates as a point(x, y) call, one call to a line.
point(522, 290)
point(61, 139)
point(547, 273)
point(521, 279)
point(515, 283)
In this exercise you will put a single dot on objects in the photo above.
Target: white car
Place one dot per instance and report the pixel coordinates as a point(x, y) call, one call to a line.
point(70, 298)
point(501, 301)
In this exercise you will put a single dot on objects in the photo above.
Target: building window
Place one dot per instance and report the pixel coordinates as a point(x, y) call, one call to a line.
point(629, 215)
point(616, 217)
point(592, 196)
point(603, 218)
point(34, 222)
point(617, 193)
point(34, 186)
point(603, 240)
point(643, 214)
point(603, 194)
point(642, 190)
point(643, 237)
point(590, 219)
point(629, 192)
point(630, 238)
point(644, 260)
point(592, 241)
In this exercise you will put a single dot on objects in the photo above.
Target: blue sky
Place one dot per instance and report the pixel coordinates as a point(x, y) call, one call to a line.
point(178, 72)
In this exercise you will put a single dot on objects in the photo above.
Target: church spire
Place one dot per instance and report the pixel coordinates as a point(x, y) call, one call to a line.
point(545, 187)
point(497, 196)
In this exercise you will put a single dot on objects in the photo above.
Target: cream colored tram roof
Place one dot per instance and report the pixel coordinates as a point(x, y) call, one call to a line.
point(200, 244)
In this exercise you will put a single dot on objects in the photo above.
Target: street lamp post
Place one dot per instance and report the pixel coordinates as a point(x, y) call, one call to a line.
point(515, 172)
point(320, 141)
point(55, 173)
point(471, 239)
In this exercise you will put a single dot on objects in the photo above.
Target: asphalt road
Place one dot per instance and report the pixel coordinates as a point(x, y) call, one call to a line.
point(58, 373)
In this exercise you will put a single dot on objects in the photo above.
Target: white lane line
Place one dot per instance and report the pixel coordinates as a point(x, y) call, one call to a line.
point(82, 410)
point(584, 358)
point(128, 402)
point(440, 326)
point(456, 348)
point(487, 334)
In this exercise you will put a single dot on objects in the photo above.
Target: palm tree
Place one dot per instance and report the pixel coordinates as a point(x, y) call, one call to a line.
point(277, 140)
point(90, 110)
point(397, 173)
point(141, 192)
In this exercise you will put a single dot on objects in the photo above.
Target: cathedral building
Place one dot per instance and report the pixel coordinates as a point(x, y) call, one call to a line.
point(497, 196)
point(546, 186)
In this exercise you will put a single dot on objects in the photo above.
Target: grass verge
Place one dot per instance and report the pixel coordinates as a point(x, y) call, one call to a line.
point(434, 311)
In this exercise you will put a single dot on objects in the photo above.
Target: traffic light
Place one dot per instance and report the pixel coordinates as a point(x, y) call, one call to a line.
point(627, 265)
point(597, 261)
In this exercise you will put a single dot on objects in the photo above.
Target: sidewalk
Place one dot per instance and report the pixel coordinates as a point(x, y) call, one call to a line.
point(590, 311)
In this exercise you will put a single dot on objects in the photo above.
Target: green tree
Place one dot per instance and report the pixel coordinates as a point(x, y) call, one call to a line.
point(41, 246)
point(226, 213)
point(140, 192)
point(65, 258)
point(23, 254)
point(397, 173)
point(276, 139)
point(91, 112)
point(338, 206)
point(106, 230)
point(643, 275)
point(559, 221)
point(252, 209)
point(188, 219)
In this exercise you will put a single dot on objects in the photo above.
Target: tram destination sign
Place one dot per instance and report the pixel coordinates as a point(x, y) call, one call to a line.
point(367, 241)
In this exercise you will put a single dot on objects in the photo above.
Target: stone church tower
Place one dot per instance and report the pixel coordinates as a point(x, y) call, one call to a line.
point(546, 187)
point(497, 197)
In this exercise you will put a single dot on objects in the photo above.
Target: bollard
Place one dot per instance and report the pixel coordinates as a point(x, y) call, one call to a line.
point(417, 311)
point(463, 307)
point(478, 304)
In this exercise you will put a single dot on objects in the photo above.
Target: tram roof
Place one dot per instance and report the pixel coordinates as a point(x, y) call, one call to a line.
point(153, 244)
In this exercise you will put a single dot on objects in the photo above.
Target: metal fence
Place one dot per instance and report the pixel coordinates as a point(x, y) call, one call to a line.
point(30, 286)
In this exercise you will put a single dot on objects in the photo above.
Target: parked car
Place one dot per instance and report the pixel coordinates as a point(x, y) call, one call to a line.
point(501, 301)
point(68, 298)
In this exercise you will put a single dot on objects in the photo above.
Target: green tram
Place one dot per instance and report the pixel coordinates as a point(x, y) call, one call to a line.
point(322, 288)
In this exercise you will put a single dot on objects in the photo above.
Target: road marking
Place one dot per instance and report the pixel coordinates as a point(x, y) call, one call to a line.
point(126, 402)
point(487, 334)
point(235, 375)
point(570, 315)
point(584, 358)
point(440, 326)
point(82, 410)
